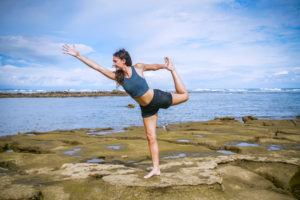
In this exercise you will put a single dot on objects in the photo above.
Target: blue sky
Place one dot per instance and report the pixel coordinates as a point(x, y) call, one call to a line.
point(213, 43)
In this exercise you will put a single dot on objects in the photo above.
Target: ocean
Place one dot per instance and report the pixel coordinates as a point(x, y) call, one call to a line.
point(20, 115)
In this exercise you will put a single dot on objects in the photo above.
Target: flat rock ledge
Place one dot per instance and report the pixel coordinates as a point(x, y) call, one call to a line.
point(187, 171)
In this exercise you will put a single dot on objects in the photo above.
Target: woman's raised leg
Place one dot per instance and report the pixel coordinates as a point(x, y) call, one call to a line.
point(150, 128)
point(181, 94)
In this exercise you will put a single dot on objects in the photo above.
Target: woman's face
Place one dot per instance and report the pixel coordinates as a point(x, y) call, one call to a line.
point(118, 63)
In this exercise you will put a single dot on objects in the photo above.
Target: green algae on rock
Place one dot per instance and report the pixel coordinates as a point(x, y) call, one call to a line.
point(53, 165)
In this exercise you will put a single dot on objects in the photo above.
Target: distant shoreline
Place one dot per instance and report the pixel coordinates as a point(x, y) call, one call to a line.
point(64, 94)
point(19, 93)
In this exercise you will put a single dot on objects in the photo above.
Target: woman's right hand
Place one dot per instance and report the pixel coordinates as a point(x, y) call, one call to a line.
point(71, 51)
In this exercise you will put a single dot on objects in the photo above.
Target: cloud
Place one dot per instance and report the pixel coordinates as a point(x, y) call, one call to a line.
point(281, 73)
point(51, 77)
point(36, 49)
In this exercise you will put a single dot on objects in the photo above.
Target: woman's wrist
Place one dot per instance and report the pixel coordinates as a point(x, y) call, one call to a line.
point(78, 55)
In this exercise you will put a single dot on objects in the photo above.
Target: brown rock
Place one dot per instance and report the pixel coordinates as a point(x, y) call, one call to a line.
point(224, 118)
point(248, 118)
point(130, 106)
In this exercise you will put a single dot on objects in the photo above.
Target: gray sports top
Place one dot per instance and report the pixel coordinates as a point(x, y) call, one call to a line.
point(136, 85)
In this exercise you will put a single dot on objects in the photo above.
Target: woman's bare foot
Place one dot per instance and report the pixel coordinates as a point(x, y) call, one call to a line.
point(154, 172)
point(169, 64)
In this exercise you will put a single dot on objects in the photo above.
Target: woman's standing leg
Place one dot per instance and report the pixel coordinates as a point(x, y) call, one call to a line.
point(150, 128)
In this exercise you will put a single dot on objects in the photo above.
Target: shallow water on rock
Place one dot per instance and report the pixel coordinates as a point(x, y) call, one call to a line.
point(73, 151)
point(106, 132)
point(9, 150)
point(201, 136)
point(181, 155)
point(202, 154)
point(246, 144)
point(3, 169)
point(274, 147)
point(30, 134)
point(226, 152)
point(114, 146)
point(95, 160)
point(183, 140)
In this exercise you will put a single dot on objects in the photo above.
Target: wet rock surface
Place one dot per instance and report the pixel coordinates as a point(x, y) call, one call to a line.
point(55, 165)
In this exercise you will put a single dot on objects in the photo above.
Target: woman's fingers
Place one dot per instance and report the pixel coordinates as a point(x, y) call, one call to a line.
point(66, 46)
point(71, 50)
point(64, 49)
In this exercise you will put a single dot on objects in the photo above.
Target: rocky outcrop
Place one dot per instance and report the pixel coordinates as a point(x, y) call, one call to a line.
point(248, 118)
point(217, 159)
point(64, 94)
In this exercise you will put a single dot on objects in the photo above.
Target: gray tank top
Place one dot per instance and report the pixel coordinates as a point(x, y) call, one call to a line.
point(136, 85)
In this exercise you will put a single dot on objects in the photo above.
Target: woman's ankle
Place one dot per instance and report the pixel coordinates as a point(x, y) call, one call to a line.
point(155, 169)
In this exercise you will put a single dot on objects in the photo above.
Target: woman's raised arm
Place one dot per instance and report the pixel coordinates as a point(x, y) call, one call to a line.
point(73, 52)
point(146, 67)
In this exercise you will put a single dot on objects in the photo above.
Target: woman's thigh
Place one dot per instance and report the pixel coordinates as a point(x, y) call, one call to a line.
point(178, 98)
point(150, 124)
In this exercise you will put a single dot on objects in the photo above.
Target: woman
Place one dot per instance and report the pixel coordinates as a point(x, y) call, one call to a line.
point(150, 100)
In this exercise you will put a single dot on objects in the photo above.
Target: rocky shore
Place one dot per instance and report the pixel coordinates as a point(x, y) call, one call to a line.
point(218, 159)
point(64, 94)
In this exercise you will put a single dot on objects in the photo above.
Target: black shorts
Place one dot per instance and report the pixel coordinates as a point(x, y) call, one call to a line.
point(160, 99)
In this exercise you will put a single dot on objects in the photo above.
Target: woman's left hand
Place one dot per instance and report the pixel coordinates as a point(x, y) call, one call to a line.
point(169, 65)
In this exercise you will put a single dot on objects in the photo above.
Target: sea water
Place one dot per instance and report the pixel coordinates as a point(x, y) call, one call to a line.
point(19, 115)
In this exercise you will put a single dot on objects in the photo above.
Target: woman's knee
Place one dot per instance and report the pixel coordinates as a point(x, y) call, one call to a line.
point(186, 96)
point(151, 137)
point(179, 98)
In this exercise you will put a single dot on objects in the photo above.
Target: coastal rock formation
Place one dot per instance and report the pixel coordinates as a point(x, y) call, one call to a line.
point(64, 94)
point(218, 159)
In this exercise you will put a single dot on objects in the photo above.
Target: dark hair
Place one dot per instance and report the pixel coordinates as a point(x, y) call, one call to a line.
point(122, 54)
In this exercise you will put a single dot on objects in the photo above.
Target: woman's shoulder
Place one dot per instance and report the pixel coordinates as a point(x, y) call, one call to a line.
point(139, 66)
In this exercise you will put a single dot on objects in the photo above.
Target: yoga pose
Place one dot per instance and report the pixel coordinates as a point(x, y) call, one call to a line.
point(131, 78)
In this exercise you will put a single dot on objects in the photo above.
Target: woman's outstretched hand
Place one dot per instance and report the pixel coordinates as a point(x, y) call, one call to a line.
point(169, 65)
point(69, 50)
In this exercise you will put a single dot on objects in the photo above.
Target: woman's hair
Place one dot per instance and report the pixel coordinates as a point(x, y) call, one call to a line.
point(122, 54)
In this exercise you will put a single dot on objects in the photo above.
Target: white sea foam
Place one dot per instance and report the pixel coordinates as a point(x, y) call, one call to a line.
point(234, 90)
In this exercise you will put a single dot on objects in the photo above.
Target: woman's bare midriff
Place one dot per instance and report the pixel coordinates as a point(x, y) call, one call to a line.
point(146, 98)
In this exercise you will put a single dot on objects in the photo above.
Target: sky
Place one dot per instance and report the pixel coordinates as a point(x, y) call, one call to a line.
point(212, 43)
